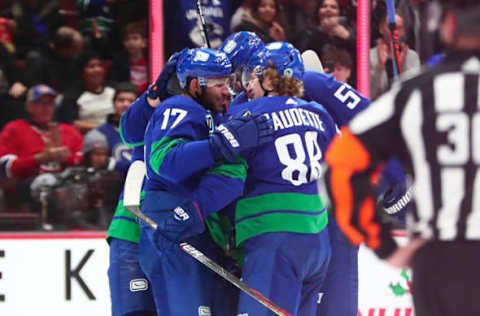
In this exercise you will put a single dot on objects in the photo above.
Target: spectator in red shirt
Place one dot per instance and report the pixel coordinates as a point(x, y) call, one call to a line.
point(131, 64)
point(35, 145)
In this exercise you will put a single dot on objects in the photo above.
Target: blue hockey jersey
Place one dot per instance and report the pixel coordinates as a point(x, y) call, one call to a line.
point(281, 190)
point(134, 121)
point(339, 99)
point(179, 160)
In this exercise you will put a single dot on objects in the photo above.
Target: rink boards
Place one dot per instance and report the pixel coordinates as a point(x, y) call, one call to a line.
point(66, 274)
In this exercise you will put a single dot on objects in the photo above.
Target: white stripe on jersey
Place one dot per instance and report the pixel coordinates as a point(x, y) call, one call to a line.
point(411, 126)
point(473, 219)
point(8, 161)
point(453, 192)
point(449, 101)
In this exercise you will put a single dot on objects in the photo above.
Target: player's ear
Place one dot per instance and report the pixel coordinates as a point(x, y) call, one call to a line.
point(194, 87)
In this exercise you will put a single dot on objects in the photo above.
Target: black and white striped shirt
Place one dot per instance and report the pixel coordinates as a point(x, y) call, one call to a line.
point(432, 124)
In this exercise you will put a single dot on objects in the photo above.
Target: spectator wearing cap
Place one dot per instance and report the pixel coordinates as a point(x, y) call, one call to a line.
point(95, 151)
point(36, 144)
point(119, 154)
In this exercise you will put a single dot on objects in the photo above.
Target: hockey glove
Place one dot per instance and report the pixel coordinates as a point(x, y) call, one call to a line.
point(241, 133)
point(185, 221)
point(392, 189)
point(158, 89)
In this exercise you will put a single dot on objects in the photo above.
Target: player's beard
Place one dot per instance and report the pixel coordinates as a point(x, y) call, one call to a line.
point(203, 99)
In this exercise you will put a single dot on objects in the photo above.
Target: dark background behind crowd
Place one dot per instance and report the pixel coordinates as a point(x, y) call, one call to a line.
point(70, 68)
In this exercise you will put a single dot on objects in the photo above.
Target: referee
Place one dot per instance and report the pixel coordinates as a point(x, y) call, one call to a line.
point(431, 123)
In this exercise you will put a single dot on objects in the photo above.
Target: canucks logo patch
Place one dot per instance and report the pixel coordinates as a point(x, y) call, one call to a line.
point(210, 122)
point(138, 285)
point(204, 311)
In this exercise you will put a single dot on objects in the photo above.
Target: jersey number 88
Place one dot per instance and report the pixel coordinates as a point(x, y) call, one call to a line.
point(296, 170)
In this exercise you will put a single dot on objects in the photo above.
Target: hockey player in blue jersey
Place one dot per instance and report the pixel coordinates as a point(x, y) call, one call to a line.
point(341, 289)
point(182, 152)
point(124, 232)
point(339, 296)
point(130, 291)
point(280, 220)
point(239, 47)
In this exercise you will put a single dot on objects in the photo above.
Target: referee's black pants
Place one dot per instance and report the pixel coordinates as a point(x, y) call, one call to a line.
point(446, 279)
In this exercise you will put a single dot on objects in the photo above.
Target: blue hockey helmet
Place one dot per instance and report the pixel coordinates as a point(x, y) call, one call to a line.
point(240, 46)
point(202, 63)
point(282, 55)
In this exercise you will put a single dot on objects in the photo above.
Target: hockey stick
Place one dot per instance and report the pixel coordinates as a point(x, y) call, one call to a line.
point(203, 24)
point(397, 68)
point(131, 201)
point(311, 61)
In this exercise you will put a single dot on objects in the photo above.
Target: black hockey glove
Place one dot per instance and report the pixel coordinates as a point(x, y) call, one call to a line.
point(158, 89)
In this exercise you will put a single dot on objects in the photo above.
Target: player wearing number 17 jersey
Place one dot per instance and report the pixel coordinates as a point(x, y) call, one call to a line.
point(280, 220)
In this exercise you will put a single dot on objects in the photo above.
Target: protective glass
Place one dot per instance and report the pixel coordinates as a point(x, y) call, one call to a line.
point(248, 76)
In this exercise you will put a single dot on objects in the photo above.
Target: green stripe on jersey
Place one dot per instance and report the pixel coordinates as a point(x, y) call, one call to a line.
point(220, 229)
point(279, 212)
point(232, 170)
point(124, 224)
point(123, 138)
point(160, 149)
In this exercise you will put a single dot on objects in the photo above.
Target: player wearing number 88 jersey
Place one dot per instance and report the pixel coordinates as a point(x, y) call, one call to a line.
point(280, 220)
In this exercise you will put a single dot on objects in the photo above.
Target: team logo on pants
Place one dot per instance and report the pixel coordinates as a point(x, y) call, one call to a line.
point(204, 311)
point(138, 285)
point(180, 214)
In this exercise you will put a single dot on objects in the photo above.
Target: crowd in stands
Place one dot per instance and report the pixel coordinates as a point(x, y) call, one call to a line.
point(70, 68)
